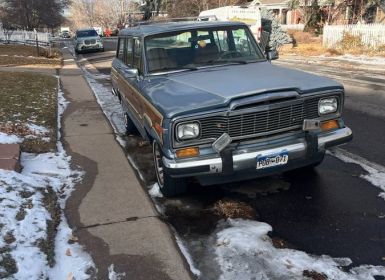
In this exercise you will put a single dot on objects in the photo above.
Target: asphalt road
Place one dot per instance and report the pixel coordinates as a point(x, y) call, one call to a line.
point(331, 211)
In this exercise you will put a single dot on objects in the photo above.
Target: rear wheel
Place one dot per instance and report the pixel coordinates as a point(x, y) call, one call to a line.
point(129, 125)
point(168, 185)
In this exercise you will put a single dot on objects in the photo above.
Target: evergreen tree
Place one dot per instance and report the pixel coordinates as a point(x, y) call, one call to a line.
point(278, 36)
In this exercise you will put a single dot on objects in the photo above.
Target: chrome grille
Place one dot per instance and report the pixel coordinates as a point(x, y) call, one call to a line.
point(271, 120)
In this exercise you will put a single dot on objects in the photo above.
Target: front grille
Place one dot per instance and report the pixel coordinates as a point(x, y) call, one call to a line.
point(268, 121)
point(89, 42)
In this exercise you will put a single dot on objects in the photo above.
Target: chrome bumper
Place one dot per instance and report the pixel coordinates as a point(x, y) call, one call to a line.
point(246, 158)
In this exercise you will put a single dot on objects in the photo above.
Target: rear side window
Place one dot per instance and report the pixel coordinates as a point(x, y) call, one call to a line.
point(120, 53)
point(129, 52)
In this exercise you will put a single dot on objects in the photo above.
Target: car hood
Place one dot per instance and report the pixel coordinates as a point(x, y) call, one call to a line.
point(215, 87)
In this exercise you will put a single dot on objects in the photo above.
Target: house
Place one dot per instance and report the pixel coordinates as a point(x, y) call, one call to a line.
point(280, 9)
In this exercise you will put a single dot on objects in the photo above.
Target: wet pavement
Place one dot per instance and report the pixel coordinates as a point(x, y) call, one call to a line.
point(331, 210)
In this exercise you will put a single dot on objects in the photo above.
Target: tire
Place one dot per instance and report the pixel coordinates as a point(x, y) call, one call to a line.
point(129, 125)
point(169, 186)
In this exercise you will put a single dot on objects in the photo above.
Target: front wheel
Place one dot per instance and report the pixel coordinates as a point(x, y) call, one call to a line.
point(168, 185)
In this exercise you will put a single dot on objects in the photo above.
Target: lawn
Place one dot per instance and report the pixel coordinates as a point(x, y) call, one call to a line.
point(27, 55)
point(28, 109)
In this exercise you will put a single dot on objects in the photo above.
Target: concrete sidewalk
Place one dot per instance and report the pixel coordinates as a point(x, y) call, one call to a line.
point(109, 211)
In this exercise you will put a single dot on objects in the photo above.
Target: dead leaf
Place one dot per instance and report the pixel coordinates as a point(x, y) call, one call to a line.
point(73, 239)
point(68, 252)
point(70, 276)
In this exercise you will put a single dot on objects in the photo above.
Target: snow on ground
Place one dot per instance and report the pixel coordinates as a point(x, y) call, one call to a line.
point(107, 101)
point(244, 251)
point(112, 275)
point(363, 59)
point(375, 173)
point(9, 139)
point(24, 200)
point(154, 191)
point(37, 129)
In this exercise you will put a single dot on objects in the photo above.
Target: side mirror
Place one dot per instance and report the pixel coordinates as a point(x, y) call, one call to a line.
point(131, 72)
point(272, 55)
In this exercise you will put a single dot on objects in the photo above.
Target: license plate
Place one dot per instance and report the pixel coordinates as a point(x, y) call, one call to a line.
point(272, 160)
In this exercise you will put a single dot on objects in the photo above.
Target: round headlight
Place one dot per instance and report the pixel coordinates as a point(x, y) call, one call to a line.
point(328, 105)
point(186, 131)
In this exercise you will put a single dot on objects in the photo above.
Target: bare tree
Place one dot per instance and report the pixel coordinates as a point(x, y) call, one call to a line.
point(29, 15)
point(99, 12)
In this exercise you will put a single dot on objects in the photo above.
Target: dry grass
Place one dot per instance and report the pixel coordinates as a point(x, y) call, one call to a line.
point(316, 49)
point(29, 98)
point(306, 44)
point(234, 209)
point(27, 55)
point(301, 37)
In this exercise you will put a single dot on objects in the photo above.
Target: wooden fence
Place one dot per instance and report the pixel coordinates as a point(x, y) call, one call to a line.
point(372, 35)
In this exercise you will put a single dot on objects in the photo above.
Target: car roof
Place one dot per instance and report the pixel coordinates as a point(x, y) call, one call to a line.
point(85, 29)
point(165, 27)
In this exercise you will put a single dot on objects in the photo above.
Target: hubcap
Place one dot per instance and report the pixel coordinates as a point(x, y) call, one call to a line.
point(158, 164)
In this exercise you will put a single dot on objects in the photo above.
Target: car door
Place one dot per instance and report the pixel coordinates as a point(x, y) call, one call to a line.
point(118, 64)
point(129, 82)
point(136, 82)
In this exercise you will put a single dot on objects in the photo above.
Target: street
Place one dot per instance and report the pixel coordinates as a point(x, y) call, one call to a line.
point(335, 210)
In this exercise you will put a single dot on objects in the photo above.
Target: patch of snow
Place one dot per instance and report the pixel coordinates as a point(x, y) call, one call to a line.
point(382, 195)
point(376, 172)
point(187, 255)
point(25, 217)
point(9, 139)
point(154, 191)
point(375, 60)
point(133, 164)
point(37, 129)
point(244, 251)
point(71, 259)
point(108, 102)
point(112, 275)
point(121, 141)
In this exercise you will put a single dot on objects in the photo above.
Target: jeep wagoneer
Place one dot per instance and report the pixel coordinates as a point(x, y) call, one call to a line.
point(214, 107)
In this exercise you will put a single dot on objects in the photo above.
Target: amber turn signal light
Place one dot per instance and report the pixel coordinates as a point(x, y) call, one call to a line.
point(187, 152)
point(329, 125)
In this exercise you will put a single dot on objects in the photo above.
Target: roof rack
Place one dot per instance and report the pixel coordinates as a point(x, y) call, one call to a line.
point(147, 22)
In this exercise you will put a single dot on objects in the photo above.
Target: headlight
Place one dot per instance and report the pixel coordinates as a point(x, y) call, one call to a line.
point(328, 105)
point(186, 131)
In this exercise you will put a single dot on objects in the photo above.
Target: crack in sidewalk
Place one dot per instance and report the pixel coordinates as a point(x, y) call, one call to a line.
point(130, 219)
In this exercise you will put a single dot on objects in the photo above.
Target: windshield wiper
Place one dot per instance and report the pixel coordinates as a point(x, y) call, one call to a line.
point(176, 69)
point(238, 61)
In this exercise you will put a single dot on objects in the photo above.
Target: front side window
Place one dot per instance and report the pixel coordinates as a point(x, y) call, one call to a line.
point(181, 51)
point(137, 54)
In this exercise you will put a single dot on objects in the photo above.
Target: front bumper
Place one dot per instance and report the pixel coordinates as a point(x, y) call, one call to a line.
point(301, 152)
point(86, 47)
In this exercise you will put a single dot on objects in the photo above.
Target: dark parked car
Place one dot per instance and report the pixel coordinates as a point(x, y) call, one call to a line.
point(216, 109)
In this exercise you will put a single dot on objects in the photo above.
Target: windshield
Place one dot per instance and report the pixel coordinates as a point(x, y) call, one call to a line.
point(200, 48)
point(86, 33)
